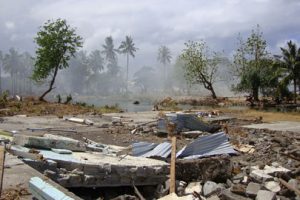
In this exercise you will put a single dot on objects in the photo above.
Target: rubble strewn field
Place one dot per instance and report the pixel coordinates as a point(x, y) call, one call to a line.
point(267, 164)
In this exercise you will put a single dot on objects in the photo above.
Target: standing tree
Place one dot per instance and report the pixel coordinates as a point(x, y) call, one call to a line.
point(164, 57)
point(57, 43)
point(12, 64)
point(111, 55)
point(127, 47)
point(201, 65)
point(250, 61)
point(290, 62)
point(1, 65)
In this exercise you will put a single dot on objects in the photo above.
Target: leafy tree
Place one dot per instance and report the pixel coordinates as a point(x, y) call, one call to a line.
point(57, 43)
point(200, 65)
point(127, 47)
point(164, 57)
point(111, 55)
point(144, 78)
point(290, 63)
point(250, 62)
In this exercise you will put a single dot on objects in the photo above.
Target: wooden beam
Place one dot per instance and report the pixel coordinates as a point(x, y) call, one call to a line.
point(172, 170)
point(288, 186)
point(2, 160)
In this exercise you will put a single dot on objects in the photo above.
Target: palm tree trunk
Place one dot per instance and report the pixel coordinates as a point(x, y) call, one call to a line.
point(127, 70)
point(164, 74)
point(295, 91)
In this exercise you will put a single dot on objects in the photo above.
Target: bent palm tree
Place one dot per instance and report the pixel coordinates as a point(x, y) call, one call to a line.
point(291, 63)
point(164, 57)
point(127, 47)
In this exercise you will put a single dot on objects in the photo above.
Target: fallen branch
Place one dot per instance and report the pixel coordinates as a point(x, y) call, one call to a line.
point(288, 186)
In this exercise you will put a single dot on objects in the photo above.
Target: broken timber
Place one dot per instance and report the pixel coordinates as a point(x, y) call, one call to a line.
point(2, 159)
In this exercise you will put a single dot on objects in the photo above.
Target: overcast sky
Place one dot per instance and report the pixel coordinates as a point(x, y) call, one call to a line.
point(152, 23)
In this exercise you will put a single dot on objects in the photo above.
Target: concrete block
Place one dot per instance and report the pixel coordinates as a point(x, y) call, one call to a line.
point(272, 186)
point(260, 176)
point(209, 188)
point(252, 189)
point(193, 186)
point(265, 195)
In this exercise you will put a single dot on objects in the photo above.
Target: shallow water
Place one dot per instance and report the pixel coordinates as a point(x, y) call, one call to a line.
point(127, 105)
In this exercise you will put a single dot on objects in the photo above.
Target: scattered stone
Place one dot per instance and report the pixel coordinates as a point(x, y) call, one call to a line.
point(214, 197)
point(272, 186)
point(238, 189)
point(270, 170)
point(260, 176)
point(209, 188)
point(265, 195)
point(228, 195)
point(193, 186)
point(252, 189)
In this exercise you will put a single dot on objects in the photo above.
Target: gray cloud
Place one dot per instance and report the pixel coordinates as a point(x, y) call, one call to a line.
point(152, 22)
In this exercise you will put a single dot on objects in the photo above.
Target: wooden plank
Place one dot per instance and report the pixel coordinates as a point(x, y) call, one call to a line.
point(172, 170)
point(288, 186)
point(2, 159)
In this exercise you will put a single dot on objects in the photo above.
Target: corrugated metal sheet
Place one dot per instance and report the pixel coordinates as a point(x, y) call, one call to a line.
point(145, 149)
point(140, 148)
point(209, 145)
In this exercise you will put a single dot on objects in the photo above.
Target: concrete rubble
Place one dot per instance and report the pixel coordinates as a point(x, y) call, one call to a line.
point(254, 165)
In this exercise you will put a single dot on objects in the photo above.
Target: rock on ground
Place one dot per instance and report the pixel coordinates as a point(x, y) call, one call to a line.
point(265, 195)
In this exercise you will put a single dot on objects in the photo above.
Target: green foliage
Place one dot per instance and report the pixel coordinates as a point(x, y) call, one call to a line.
point(200, 64)
point(252, 64)
point(58, 97)
point(57, 43)
point(68, 99)
point(289, 62)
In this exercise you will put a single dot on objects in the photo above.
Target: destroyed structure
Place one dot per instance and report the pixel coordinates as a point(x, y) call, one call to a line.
point(218, 157)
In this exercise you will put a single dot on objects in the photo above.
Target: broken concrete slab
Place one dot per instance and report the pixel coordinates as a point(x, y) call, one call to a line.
point(272, 186)
point(252, 189)
point(260, 176)
point(49, 142)
point(265, 195)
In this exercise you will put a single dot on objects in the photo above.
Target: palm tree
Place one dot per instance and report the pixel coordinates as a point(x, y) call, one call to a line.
point(164, 57)
point(110, 54)
point(1, 64)
point(291, 63)
point(127, 47)
point(12, 65)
